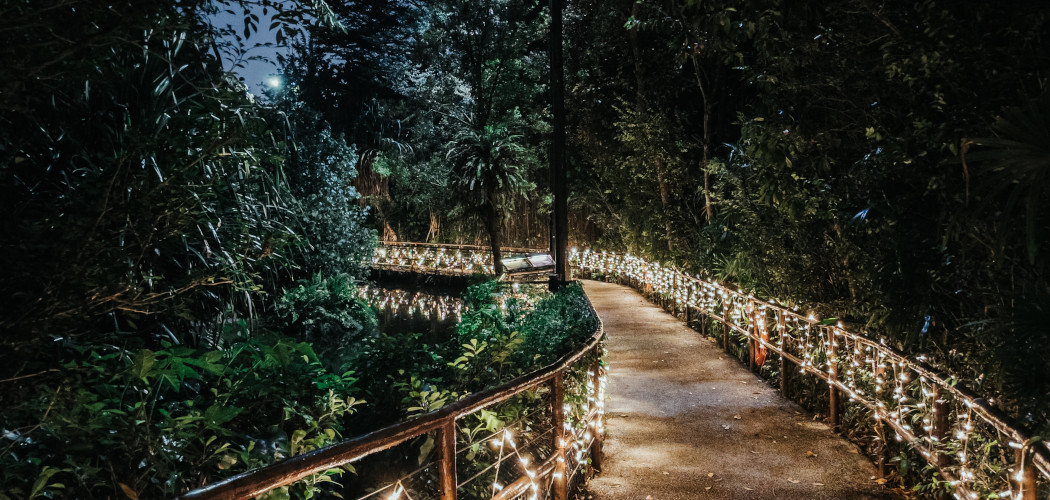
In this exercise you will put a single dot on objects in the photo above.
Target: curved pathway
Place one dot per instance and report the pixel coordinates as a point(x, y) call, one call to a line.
point(687, 421)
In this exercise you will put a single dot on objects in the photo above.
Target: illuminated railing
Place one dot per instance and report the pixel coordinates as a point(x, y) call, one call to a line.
point(439, 259)
point(529, 462)
point(976, 448)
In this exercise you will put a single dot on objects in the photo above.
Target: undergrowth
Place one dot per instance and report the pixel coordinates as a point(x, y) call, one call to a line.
point(118, 422)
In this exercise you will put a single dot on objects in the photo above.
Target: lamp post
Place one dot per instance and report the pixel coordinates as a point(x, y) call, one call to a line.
point(560, 225)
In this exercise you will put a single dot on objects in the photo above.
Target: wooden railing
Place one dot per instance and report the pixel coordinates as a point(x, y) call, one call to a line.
point(575, 431)
point(977, 449)
point(439, 259)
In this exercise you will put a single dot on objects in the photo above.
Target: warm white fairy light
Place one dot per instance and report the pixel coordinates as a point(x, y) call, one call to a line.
point(577, 436)
point(398, 490)
point(869, 372)
point(433, 258)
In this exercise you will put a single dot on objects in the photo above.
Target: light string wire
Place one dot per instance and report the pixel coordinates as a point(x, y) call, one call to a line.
point(398, 486)
point(870, 373)
point(470, 260)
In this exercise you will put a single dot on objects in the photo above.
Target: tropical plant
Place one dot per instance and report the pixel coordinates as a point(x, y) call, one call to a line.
point(169, 420)
point(1013, 166)
point(328, 312)
point(489, 164)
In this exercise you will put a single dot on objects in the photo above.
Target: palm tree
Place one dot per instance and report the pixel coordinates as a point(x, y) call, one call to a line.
point(488, 165)
point(1016, 162)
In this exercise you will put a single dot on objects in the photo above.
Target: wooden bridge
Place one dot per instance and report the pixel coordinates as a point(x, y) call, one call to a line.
point(977, 451)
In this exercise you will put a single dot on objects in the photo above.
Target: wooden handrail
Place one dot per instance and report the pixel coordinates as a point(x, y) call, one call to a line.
point(439, 259)
point(258, 481)
point(721, 304)
point(452, 246)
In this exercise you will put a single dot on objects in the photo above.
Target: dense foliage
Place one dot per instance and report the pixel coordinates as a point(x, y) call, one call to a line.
point(176, 418)
point(157, 214)
point(149, 193)
point(150, 424)
point(503, 334)
point(884, 162)
point(449, 96)
point(881, 162)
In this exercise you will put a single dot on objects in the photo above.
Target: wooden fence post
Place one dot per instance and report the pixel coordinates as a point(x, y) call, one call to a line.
point(833, 376)
point(674, 293)
point(689, 306)
point(704, 318)
point(447, 476)
point(752, 332)
point(782, 332)
point(940, 423)
point(596, 379)
point(884, 453)
point(725, 324)
point(1026, 485)
point(561, 481)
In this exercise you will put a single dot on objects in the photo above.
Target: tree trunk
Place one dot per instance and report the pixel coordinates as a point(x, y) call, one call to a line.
point(491, 214)
point(709, 210)
point(665, 201)
point(435, 228)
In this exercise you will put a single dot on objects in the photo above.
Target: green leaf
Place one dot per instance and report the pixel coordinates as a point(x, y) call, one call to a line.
point(281, 493)
point(142, 363)
point(426, 448)
point(40, 485)
point(216, 415)
point(296, 442)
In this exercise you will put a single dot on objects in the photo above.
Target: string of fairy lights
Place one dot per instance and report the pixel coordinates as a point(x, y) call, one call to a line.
point(953, 429)
point(433, 259)
point(584, 415)
point(430, 306)
point(583, 423)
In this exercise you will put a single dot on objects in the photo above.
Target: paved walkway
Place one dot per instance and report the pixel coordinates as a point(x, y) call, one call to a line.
point(686, 421)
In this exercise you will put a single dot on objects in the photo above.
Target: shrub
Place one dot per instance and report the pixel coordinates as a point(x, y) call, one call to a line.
point(327, 311)
point(151, 424)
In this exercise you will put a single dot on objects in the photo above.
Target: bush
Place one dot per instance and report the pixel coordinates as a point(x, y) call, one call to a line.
point(329, 312)
point(558, 324)
point(151, 424)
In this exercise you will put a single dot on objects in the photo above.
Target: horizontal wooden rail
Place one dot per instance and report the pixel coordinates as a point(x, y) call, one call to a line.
point(897, 390)
point(452, 246)
point(258, 481)
point(439, 259)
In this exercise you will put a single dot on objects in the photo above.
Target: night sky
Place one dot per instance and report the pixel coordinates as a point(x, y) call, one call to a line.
point(256, 71)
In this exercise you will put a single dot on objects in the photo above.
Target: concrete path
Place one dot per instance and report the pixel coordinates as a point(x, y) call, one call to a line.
point(686, 421)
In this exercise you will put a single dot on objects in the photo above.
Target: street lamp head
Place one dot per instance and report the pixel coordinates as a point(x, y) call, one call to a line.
point(273, 82)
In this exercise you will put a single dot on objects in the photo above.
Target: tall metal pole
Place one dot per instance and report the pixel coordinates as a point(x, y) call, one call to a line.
point(558, 183)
